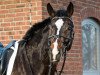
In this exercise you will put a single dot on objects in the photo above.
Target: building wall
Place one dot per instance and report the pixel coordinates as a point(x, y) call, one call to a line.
point(15, 18)
point(15, 21)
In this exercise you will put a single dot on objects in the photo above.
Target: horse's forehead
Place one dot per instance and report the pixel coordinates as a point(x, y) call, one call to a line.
point(59, 24)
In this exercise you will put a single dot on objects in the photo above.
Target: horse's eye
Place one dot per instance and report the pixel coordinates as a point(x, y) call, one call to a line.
point(54, 19)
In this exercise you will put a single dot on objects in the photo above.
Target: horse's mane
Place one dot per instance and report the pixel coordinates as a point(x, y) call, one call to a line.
point(37, 26)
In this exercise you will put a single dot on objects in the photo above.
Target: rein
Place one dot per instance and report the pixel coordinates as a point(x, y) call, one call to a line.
point(63, 62)
point(62, 17)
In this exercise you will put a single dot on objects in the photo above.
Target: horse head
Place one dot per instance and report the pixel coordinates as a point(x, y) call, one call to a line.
point(60, 31)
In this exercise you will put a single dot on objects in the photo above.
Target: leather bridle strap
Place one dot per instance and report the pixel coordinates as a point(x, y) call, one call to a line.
point(62, 17)
point(64, 54)
point(50, 66)
point(63, 64)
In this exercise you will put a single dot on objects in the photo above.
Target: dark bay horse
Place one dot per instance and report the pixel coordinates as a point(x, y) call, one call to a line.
point(43, 43)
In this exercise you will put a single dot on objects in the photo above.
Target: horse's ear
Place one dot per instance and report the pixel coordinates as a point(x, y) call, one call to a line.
point(70, 9)
point(50, 10)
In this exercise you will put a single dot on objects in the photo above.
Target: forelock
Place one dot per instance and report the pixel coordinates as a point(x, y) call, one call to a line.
point(61, 13)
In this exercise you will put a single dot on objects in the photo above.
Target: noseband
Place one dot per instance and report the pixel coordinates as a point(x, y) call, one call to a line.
point(65, 47)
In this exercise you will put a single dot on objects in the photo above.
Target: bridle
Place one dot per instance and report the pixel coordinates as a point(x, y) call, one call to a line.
point(65, 47)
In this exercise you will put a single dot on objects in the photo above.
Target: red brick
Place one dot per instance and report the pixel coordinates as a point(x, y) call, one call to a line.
point(27, 9)
point(18, 10)
point(18, 19)
point(20, 5)
point(2, 16)
point(10, 15)
point(3, 6)
point(8, 29)
point(10, 6)
point(25, 27)
point(37, 17)
point(10, 33)
point(20, 14)
point(37, 9)
point(39, 3)
point(1, 29)
point(5, 24)
point(20, 23)
point(39, 13)
point(3, 11)
point(8, 20)
point(17, 28)
point(17, 37)
point(8, 2)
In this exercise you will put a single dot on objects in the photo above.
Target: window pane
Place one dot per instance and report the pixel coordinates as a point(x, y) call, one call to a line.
point(89, 42)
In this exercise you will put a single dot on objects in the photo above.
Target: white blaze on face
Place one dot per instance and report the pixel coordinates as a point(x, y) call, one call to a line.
point(59, 24)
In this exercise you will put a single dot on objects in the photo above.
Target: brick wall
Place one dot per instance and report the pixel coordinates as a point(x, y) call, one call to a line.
point(15, 21)
point(15, 18)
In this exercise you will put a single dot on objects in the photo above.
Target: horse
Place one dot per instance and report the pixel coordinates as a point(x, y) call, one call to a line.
point(41, 48)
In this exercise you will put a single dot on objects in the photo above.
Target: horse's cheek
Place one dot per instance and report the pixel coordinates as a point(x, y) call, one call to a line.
point(52, 46)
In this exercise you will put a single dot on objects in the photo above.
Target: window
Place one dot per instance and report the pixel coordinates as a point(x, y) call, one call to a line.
point(90, 47)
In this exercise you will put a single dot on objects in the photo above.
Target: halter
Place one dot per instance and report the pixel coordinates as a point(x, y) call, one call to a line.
point(64, 47)
point(63, 17)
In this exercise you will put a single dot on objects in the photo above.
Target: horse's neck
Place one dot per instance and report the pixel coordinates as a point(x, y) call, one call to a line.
point(34, 50)
point(37, 42)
